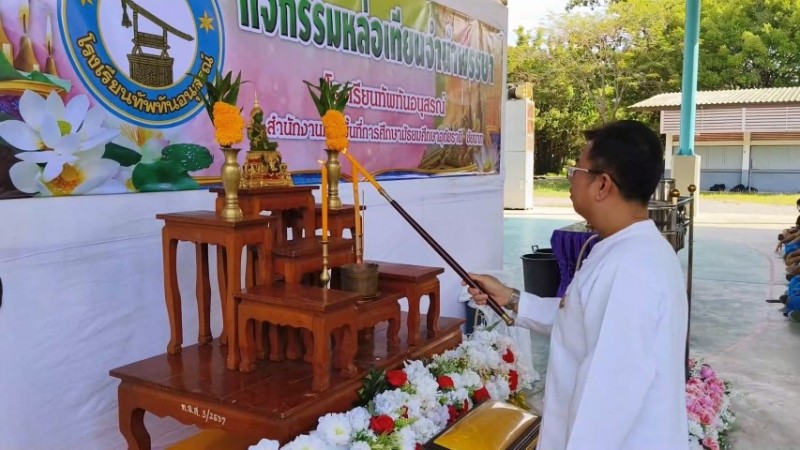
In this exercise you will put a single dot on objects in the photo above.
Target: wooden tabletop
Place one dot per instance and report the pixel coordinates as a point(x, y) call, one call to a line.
point(277, 390)
point(308, 298)
point(310, 246)
point(210, 218)
point(268, 190)
point(405, 272)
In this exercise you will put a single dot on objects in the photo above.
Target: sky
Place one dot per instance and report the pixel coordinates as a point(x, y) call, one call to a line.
point(529, 13)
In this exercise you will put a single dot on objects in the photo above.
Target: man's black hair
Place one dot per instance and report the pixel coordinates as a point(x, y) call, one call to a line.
point(631, 153)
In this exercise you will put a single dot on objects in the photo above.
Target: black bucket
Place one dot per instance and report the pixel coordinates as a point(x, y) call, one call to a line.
point(540, 272)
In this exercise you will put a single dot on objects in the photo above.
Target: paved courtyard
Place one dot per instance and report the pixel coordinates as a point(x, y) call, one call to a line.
point(747, 340)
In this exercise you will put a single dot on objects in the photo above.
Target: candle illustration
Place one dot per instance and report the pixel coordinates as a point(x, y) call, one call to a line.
point(50, 63)
point(25, 60)
point(5, 45)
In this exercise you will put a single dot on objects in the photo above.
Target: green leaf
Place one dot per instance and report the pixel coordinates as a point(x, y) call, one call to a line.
point(162, 176)
point(317, 102)
point(123, 155)
point(191, 157)
point(7, 71)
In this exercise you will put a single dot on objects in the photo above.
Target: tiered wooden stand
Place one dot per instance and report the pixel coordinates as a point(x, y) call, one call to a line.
point(275, 401)
point(229, 383)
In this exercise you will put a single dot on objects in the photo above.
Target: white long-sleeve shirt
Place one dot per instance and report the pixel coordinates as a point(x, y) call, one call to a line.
point(615, 378)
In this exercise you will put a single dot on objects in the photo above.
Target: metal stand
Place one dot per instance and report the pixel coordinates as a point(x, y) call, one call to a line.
point(690, 263)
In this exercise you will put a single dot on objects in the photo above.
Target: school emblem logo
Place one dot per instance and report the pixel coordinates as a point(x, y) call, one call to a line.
point(144, 60)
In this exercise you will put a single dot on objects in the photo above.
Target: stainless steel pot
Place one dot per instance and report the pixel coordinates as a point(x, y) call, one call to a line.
point(663, 190)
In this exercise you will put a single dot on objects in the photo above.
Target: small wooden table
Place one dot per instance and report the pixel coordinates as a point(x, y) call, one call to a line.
point(204, 228)
point(413, 282)
point(318, 310)
point(293, 206)
point(339, 219)
point(384, 308)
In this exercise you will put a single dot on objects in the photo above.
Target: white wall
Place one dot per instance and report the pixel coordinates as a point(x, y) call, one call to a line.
point(83, 293)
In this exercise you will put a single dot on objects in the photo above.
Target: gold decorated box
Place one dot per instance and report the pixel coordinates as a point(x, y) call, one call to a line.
point(491, 425)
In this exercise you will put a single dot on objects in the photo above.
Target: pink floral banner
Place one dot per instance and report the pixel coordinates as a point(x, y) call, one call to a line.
point(103, 96)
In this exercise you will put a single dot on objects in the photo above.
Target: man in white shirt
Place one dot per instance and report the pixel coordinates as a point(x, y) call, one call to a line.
point(616, 374)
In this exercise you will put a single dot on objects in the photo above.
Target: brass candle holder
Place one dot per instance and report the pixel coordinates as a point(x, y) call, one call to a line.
point(324, 277)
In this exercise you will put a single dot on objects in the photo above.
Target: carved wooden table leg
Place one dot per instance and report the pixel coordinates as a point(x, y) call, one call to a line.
point(131, 420)
point(246, 344)
point(348, 351)
point(393, 333)
point(222, 263)
point(203, 293)
point(321, 364)
point(413, 315)
point(433, 309)
point(172, 295)
point(233, 250)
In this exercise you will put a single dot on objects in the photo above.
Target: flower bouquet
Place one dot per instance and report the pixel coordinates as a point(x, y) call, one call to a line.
point(709, 408)
point(331, 99)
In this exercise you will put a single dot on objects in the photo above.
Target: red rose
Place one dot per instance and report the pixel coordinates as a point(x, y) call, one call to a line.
point(509, 356)
point(513, 380)
point(445, 382)
point(453, 413)
point(465, 407)
point(381, 424)
point(481, 395)
point(396, 378)
point(418, 446)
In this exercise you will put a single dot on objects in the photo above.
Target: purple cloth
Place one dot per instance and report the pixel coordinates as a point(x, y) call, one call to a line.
point(566, 243)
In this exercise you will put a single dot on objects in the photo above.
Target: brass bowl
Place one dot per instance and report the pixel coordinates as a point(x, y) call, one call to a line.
point(360, 278)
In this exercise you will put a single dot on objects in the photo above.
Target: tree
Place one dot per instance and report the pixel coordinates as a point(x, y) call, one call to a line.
point(749, 44)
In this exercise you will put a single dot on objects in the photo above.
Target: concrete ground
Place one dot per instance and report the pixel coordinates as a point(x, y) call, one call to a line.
point(747, 340)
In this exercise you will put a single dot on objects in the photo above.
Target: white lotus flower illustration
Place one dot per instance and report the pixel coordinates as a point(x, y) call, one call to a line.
point(87, 173)
point(147, 142)
point(62, 130)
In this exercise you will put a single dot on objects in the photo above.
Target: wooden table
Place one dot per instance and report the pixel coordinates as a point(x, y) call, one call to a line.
point(293, 206)
point(275, 401)
point(204, 228)
point(320, 311)
point(413, 282)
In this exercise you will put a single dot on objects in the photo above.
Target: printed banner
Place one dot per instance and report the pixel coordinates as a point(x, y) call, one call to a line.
point(104, 96)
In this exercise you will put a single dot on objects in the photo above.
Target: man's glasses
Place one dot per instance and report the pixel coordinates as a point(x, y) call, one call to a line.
point(571, 173)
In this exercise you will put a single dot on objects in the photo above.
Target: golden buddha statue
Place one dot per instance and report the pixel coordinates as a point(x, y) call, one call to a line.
point(263, 165)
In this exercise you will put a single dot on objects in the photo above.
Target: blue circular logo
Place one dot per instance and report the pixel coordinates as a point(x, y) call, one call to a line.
point(144, 60)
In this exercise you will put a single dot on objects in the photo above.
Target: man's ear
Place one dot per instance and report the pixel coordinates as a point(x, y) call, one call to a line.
point(604, 187)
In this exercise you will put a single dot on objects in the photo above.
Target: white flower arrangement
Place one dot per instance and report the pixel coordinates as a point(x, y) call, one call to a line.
point(421, 400)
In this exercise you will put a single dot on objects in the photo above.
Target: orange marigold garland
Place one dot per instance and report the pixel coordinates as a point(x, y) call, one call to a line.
point(335, 130)
point(331, 99)
point(228, 124)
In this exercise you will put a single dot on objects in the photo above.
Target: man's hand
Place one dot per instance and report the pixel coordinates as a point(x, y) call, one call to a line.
point(488, 285)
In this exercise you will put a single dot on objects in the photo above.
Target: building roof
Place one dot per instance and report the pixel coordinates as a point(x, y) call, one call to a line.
point(735, 97)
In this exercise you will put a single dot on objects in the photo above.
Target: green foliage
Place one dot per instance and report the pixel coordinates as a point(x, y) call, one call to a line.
point(162, 175)
point(121, 154)
point(191, 157)
point(221, 89)
point(374, 383)
point(329, 95)
point(749, 44)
